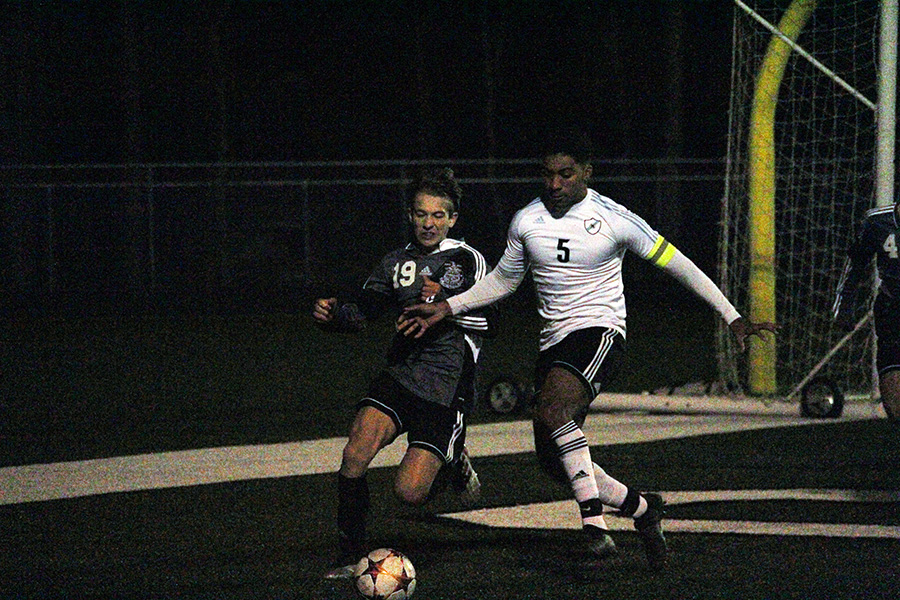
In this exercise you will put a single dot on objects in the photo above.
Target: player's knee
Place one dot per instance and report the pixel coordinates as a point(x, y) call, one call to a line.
point(543, 410)
point(555, 410)
point(356, 458)
point(553, 414)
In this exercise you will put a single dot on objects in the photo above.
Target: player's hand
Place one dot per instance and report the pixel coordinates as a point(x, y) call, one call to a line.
point(411, 326)
point(430, 289)
point(418, 318)
point(323, 309)
point(742, 329)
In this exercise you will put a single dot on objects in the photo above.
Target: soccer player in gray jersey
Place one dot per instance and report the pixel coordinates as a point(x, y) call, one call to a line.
point(878, 236)
point(573, 241)
point(427, 385)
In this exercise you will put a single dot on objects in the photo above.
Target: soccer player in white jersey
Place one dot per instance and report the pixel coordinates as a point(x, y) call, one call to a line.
point(427, 385)
point(573, 240)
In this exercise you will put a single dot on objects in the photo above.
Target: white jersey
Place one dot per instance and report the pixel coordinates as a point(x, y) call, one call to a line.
point(576, 261)
point(576, 264)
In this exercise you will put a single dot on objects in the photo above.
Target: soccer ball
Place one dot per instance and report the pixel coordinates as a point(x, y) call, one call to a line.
point(385, 574)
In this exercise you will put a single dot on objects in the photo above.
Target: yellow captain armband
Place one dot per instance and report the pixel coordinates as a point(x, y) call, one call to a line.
point(661, 253)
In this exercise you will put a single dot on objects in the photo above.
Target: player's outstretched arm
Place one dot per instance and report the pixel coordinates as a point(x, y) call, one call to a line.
point(684, 270)
point(416, 319)
point(742, 329)
point(343, 317)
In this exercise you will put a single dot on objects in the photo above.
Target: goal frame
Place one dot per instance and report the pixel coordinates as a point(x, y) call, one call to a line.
point(762, 354)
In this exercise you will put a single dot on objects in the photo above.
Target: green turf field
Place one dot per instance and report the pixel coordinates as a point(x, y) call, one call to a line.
point(271, 538)
point(88, 389)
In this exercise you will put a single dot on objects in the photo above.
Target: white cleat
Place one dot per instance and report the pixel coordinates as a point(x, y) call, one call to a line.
point(465, 479)
point(340, 572)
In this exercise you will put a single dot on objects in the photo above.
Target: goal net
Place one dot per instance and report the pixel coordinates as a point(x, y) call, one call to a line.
point(813, 181)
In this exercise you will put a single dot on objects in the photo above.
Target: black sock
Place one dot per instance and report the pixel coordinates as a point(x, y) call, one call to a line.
point(353, 509)
point(631, 504)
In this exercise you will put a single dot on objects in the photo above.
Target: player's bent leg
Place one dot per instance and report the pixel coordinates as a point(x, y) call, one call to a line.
point(353, 509)
point(371, 431)
point(416, 474)
point(562, 399)
point(600, 543)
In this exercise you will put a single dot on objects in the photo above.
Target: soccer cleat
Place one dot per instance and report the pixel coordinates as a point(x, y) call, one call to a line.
point(601, 544)
point(465, 479)
point(349, 553)
point(649, 527)
point(340, 571)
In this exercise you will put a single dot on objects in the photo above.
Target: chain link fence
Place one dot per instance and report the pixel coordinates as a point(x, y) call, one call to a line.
point(261, 237)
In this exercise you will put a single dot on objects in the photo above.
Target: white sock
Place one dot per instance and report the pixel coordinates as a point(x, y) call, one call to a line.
point(612, 491)
point(575, 456)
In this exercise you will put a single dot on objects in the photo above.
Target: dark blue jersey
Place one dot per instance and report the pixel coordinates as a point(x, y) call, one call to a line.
point(878, 237)
point(431, 366)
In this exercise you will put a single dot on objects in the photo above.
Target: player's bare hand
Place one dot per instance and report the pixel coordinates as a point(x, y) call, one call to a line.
point(422, 316)
point(742, 329)
point(323, 309)
point(430, 289)
point(411, 326)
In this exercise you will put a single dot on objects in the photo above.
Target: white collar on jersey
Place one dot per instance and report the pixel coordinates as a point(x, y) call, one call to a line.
point(446, 244)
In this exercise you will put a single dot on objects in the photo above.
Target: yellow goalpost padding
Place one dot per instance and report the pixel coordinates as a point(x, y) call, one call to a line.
point(762, 355)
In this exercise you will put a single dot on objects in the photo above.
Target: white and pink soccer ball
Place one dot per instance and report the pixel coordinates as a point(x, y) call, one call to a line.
point(385, 574)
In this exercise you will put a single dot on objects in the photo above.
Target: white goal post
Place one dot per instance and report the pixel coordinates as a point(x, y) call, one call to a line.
point(810, 148)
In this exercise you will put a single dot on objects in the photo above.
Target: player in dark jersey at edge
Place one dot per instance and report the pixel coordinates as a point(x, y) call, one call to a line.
point(427, 385)
point(879, 237)
point(573, 240)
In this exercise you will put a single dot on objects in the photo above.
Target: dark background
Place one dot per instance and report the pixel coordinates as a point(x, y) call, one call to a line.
point(119, 81)
point(195, 155)
point(180, 161)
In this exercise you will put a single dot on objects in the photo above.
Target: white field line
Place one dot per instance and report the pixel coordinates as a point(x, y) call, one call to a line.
point(72, 479)
point(564, 514)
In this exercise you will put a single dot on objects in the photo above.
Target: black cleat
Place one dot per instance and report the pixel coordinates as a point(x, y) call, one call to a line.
point(649, 526)
point(600, 543)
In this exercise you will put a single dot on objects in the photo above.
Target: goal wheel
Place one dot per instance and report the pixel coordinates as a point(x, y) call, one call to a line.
point(821, 398)
point(504, 395)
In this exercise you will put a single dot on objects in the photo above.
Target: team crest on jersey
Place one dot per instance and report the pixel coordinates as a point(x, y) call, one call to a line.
point(452, 277)
point(592, 225)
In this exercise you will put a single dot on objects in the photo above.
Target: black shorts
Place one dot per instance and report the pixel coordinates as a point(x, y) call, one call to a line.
point(594, 355)
point(887, 327)
point(434, 427)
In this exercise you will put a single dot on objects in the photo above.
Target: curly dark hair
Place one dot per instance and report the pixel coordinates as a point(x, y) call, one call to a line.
point(437, 182)
point(568, 140)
